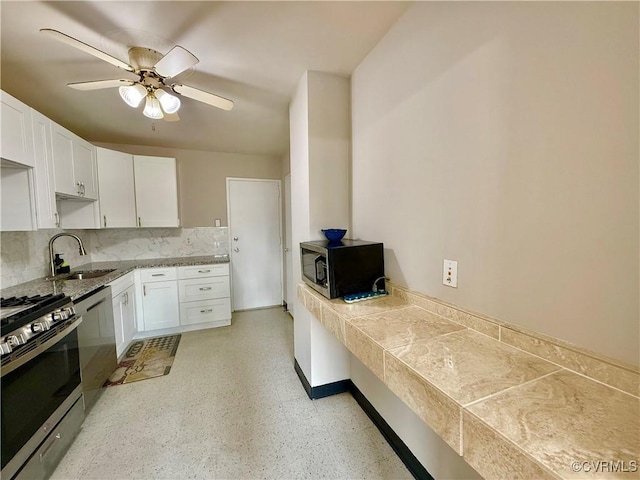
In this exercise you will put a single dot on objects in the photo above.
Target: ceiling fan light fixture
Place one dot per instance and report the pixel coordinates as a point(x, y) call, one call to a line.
point(133, 94)
point(170, 103)
point(152, 108)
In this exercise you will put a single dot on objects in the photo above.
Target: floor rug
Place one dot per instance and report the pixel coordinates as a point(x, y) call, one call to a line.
point(146, 358)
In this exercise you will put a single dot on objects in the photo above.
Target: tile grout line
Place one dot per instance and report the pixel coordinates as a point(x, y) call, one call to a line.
point(470, 404)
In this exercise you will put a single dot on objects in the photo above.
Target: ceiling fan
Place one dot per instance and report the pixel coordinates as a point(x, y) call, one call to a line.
point(155, 72)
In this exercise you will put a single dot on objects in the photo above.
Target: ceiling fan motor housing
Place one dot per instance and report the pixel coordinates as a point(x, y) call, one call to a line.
point(142, 58)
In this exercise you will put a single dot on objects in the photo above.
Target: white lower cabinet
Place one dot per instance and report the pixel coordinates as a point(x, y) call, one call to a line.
point(160, 305)
point(205, 295)
point(124, 311)
point(185, 298)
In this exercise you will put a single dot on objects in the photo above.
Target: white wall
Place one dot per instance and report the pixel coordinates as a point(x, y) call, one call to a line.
point(319, 118)
point(505, 136)
point(299, 152)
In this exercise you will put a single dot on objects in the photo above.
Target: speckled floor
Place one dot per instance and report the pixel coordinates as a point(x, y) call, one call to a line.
point(232, 407)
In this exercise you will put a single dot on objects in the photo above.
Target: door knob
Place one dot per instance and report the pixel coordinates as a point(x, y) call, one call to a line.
point(236, 249)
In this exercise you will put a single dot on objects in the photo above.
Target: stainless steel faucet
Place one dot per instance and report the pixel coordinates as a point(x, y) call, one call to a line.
point(375, 284)
point(51, 263)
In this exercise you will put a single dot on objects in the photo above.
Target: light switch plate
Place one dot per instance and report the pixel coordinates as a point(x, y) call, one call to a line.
point(450, 273)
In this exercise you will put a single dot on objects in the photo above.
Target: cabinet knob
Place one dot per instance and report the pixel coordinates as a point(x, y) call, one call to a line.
point(105, 221)
point(236, 249)
point(235, 239)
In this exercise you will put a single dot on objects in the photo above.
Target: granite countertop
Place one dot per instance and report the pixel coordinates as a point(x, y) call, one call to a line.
point(508, 413)
point(78, 288)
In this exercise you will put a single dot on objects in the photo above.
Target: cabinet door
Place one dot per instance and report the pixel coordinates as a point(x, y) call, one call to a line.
point(118, 304)
point(156, 191)
point(84, 168)
point(16, 137)
point(160, 305)
point(45, 189)
point(115, 184)
point(129, 315)
point(62, 148)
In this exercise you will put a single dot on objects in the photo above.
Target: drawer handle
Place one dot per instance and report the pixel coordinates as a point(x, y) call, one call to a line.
point(204, 271)
point(43, 454)
point(205, 288)
point(209, 310)
point(157, 274)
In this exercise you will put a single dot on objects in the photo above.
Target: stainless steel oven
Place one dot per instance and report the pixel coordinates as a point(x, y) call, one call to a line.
point(41, 389)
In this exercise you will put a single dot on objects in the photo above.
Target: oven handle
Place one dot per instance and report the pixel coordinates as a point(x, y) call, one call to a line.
point(41, 348)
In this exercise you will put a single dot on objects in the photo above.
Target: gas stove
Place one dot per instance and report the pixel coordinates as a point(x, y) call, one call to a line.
point(22, 319)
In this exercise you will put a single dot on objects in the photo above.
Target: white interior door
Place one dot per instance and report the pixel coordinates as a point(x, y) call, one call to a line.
point(290, 291)
point(254, 212)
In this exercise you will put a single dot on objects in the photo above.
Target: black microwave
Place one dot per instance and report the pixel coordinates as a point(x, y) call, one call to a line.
point(336, 269)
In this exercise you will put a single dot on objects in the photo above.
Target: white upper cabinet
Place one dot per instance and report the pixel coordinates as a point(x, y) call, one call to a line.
point(84, 167)
point(74, 164)
point(136, 190)
point(62, 148)
point(116, 186)
point(47, 213)
point(156, 191)
point(16, 133)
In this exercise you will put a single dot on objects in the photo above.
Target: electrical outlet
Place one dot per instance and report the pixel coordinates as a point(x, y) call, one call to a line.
point(188, 241)
point(450, 273)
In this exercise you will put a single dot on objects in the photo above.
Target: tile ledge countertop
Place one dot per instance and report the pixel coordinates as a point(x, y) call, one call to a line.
point(508, 413)
point(78, 288)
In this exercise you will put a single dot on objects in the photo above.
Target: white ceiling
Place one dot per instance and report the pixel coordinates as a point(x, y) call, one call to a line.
point(251, 52)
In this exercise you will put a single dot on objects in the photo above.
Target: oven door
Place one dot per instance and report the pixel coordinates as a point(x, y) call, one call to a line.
point(314, 270)
point(38, 388)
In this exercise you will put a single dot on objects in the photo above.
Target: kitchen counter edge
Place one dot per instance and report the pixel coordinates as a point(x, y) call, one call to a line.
point(79, 288)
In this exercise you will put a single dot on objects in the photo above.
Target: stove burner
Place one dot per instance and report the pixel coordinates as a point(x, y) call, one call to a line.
point(17, 311)
point(25, 301)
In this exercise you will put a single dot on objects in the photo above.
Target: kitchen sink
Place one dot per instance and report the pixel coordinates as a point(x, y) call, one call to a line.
point(86, 274)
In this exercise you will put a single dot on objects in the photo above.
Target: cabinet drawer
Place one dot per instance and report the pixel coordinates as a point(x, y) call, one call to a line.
point(158, 274)
point(203, 289)
point(199, 271)
point(120, 284)
point(205, 311)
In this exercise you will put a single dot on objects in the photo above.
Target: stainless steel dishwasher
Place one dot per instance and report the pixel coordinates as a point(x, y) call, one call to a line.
point(97, 342)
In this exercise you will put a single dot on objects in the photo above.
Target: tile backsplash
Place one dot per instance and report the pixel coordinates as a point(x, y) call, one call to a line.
point(24, 256)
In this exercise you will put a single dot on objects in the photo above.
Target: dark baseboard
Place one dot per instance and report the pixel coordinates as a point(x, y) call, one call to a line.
point(410, 461)
point(408, 458)
point(322, 391)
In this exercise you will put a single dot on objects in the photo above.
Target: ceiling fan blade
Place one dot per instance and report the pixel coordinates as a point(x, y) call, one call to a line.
point(98, 84)
point(171, 117)
point(61, 37)
point(176, 61)
point(202, 96)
